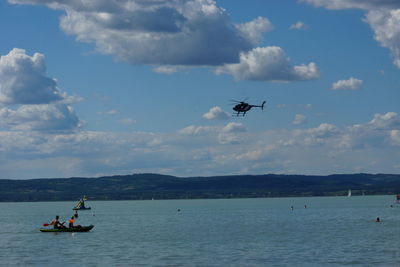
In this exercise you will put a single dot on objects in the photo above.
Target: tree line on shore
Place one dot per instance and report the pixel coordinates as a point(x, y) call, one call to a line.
point(156, 186)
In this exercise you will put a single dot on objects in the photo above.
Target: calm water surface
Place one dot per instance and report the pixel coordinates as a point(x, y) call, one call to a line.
point(331, 231)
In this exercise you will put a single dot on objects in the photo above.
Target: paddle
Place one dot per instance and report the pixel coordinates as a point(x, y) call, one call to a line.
point(46, 224)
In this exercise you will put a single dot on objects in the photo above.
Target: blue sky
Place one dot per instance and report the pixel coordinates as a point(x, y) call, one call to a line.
point(90, 88)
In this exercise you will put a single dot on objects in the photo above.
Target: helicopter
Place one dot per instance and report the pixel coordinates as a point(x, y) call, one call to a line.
point(243, 107)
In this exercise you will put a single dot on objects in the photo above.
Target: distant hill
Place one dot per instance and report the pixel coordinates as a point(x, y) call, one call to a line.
point(148, 186)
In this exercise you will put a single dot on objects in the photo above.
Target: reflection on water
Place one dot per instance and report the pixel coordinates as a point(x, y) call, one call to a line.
point(236, 232)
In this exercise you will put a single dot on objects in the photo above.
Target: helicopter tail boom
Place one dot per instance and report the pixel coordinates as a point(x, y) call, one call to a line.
point(262, 105)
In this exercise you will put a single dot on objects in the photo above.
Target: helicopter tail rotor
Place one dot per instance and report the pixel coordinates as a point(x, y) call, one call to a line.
point(262, 105)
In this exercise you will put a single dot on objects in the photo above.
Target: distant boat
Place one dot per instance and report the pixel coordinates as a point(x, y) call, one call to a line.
point(398, 199)
point(349, 193)
point(81, 205)
point(80, 208)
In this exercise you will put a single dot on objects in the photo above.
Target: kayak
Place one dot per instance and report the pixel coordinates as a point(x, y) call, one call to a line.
point(77, 229)
point(75, 208)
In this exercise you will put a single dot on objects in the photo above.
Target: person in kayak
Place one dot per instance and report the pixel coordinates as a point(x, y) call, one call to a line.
point(71, 223)
point(81, 203)
point(57, 224)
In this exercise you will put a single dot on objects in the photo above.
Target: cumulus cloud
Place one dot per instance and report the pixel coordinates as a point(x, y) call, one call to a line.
point(234, 127)
point(298, 26)
point(228, 134)
point(361, 4)
point(169, 35)
point(382, 15)
point(231, 127)
point(44, 117)
point(323, 130)
point(377, 133)
point(37, 103)
point(390, 120)
point(197, 130)
point(253, 30)
point(231, 133)
point(216, 113)
point(299, 119)
point(395, 136)
point(205, 150)
point(386, 27)
point(349, 84)
point(23, 80)
point(162, 32)
point(251, 155)
point(268, 64)
point(228, 138)
point(165, 69)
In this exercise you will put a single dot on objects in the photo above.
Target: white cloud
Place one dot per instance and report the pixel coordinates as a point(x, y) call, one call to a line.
point(386, 26)
point(323, 130)
point(298, 26)
point(268, 64)
point(162, 32)
point(251, 155)
point(347, 4)
point(395, 136)
point(197, 130)
point(299, 119)
point(169, 35)
point(44, 117)
point(165, 69)
point(349, 84)
point(231, 133)
point(234, 127)
point(216, 113)
point(253, 30)
point(228, 138)
point(228, 134)
point(204, 150)
point(287, 143)
point(317, 136)
point(202, 155)
point(31, 100)
point(390, 120)
point(23, 80)
point(382, 15)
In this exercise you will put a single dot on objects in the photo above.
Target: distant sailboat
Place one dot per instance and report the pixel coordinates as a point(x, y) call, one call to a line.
point(81, 204)
point(349, 193)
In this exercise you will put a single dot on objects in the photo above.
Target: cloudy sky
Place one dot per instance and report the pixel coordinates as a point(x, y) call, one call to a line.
point(91, 88)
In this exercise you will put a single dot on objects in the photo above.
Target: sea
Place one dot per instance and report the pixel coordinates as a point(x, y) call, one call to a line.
point(312, 231)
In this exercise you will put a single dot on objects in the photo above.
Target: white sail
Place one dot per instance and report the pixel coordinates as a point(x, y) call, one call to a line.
point(349, 193)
